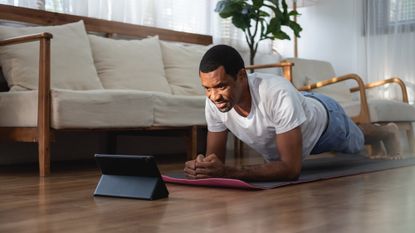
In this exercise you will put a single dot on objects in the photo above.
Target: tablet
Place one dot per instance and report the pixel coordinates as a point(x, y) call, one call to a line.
point(130, 176)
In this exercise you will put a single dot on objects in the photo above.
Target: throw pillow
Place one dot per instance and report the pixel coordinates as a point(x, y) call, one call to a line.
point(181, 63)
point(129, 64)
point(72, 66)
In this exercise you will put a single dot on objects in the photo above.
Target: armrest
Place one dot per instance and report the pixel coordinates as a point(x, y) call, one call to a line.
point(395, 80)
point(363, 116)
point(286, 68)
point(43, 117)
point(27, 38)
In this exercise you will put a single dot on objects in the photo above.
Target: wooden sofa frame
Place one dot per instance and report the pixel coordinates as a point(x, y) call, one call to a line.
point(43, 134)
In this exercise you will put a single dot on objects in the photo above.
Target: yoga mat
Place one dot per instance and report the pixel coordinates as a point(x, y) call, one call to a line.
point(313, 170)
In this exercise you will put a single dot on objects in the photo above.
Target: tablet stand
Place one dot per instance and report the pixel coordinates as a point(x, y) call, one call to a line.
point(149, 188)
point(131, 176)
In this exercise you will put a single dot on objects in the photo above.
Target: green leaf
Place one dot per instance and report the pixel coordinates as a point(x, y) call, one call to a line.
point(284, 5)
point(240, 21)
point(257, 3)
point(274, 26)
point(263, 14)
point(296, 28)
point(281, 35)
point(294, 13)
point(248, 11)
point(277, 12)
point(220, 6)
point(228, 8)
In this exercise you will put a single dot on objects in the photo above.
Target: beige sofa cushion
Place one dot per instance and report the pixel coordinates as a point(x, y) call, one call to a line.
point(383, 110)
point(181, 63)
point(176, 110)
point(129, 64)
point(72, 66)
point(263, 58)
point(307, 71)
point(80, 109)
point(390, 110)
point(101, 109)
point(18, 109)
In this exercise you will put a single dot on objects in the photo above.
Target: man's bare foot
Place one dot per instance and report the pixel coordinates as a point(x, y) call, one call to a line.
point(390, 138)
point(389, 135)
point(392, 141)
point(377, 150)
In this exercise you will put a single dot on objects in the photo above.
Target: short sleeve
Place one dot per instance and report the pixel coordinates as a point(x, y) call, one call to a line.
point(213, 119)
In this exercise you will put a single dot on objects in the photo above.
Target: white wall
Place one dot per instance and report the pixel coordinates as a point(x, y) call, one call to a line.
point(331, 32)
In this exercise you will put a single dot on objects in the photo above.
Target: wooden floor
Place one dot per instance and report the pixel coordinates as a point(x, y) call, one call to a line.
point(376, 202)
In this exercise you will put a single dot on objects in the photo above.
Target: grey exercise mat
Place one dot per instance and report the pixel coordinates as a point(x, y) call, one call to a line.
point(313, 170)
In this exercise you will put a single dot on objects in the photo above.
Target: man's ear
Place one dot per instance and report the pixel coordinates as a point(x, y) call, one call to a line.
point(241, 74)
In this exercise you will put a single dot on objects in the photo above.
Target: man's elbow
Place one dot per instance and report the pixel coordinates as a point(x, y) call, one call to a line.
point(293, 176)
point(288, 175)
point(285, 172)
point(293, 173)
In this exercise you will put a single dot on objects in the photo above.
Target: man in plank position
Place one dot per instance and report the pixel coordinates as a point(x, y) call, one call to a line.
point(268, 114)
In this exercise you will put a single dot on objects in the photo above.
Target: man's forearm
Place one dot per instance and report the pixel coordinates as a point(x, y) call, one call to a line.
point(277, 170)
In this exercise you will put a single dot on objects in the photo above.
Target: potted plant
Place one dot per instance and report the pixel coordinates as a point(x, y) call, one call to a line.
point(256, 23)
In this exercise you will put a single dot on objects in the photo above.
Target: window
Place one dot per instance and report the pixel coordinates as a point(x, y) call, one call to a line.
point(401, 12)
point(53, 5)
point(389, 16)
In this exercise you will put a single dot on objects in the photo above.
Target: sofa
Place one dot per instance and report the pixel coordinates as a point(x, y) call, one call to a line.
point(73, 73)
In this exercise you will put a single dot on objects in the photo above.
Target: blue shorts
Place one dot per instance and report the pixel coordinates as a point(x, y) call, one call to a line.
point(341, 133)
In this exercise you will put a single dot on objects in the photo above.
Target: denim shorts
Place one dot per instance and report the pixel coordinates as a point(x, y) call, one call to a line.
point(341, 133)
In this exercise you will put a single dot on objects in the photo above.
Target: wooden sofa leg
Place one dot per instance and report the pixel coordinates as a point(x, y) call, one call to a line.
point(44, 154)
point(192, 143)
point(44, 106)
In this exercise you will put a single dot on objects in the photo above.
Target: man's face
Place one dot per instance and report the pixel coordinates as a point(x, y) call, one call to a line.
point(222, 89)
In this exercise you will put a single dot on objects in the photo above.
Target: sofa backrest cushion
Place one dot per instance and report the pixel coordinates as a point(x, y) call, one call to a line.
point(72, 66)
point(181, 64)
point(263, 58)
point(309, 71)
point(129, 64)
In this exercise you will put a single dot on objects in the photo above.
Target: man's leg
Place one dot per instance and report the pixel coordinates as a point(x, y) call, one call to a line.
point(342, 134)
point(388, 134)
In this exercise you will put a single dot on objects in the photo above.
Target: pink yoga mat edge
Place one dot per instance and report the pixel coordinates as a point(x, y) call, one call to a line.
point(218, 182)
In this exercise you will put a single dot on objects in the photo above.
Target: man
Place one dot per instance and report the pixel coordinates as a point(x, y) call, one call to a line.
point(268, 114)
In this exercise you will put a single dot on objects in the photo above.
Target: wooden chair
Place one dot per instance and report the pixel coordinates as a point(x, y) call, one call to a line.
point(319, 76)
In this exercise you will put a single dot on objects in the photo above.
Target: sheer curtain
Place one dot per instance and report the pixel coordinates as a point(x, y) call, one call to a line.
point(181, 15)
point(390, 43)
point(195, 16)
point(37, 4)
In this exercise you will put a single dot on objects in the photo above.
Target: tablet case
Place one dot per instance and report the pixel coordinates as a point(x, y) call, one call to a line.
point(130, 176)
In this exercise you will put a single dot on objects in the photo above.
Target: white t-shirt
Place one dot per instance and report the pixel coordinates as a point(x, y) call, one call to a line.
point(277, 107)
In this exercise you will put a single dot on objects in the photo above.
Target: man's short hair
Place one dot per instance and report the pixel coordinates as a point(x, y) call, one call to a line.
point(222, 55)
